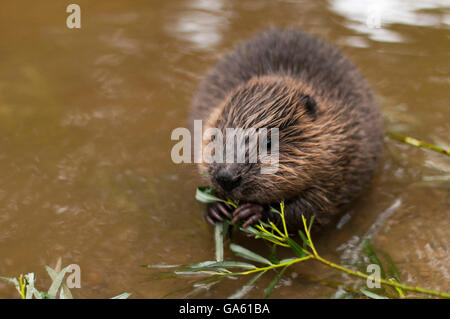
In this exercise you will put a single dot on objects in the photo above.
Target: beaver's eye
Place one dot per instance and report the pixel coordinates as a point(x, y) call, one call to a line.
point(213, 137)
point(311, 106)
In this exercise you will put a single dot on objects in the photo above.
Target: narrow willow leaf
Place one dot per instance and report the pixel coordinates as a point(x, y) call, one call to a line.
point(224, 264)
point(264, 224)
point(13, 281)
point(254, 231)
point(235, 264)
point(204, 195)
point(56, 284)
point(371, 254)
point(304, 239)
point(160, 266)
point(259, 234)
point(202, 264)
point(296, 247)
point(31, 290)
point(200, 272)
point(311, 223)
point(247, 287)
point(247, 254)
point(272, 285)
point(287, 260)
point(274, 210)
point(219, 238)
point(372, 295)
point(30, 286)
point(125, 295)
point(273, 255)
point(58, 265)
point(392, 268)
point(250, 230)
point(65, 291)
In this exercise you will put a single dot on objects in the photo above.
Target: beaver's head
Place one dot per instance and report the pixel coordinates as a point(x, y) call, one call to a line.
point(268, 102)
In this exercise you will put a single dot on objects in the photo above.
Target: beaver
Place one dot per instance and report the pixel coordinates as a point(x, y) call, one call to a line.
point(330, 127)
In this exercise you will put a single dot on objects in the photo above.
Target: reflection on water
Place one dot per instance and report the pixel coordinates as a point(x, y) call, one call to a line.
point(86, 117)
point(202, 23)
point(370, 16)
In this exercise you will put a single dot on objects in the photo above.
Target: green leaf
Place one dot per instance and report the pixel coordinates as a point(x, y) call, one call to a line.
point(259, 234)
point(30, 285)
point(205, 195)
point(224, 264)
point(264, 224)
point(311, 223)
point(286, 260)
point(392, 270)
point(372, 295)
point(160, 266)
point(200, 272)
point(202, 264)
point(31, 290)
point(272, 285)
point(219, 238)
point(247, 254)
point(13, 281)
point(274, 210)
point(273, 255)
point(57, 281)
point(247, 287)
point(125, 295)
point(65, 291)
point(304, 239)
point(370, 252)
point(296, 248)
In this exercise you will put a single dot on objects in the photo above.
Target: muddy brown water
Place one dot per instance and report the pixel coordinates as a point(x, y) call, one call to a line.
point(85, 123)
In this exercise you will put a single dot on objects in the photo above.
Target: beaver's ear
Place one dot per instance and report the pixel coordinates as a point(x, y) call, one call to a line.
point(310, 106)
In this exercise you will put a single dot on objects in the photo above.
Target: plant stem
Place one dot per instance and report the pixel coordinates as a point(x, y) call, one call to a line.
point(309, 237)
point(383, 281)
point(283, 218)
point(417, 143)
point(288, 263)
point(218, 234)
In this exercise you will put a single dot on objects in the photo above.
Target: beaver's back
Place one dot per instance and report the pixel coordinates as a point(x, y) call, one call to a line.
point(289, 52)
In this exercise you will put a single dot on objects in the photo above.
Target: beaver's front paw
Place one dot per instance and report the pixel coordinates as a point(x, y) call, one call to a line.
point(215, 211)
point(250, 213)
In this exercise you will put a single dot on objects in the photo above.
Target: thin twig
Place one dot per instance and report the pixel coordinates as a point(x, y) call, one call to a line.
point(415, 142)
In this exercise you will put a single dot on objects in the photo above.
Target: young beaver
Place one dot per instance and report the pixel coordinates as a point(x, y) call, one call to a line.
point(330, 128)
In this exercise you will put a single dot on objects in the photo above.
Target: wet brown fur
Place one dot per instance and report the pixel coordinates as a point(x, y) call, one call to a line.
point(328, 155)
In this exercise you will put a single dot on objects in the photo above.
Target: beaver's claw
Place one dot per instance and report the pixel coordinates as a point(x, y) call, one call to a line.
point(215, 211)
point(251, 213)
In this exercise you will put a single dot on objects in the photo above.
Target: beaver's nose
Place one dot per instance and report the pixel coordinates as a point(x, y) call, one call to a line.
point(227, 180)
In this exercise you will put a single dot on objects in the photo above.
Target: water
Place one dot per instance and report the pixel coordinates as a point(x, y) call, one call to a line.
point(86, 117)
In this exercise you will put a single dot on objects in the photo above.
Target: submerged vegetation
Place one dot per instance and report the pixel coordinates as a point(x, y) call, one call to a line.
point(388, 284)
